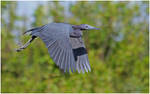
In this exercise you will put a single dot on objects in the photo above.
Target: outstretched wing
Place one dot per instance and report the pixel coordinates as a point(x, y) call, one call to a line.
point(80, 55)
point(56, 38)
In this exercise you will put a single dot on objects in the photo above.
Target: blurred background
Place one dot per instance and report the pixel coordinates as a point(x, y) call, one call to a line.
point(118, 53)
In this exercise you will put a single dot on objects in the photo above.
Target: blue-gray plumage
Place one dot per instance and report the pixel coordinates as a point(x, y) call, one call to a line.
point(65, 45)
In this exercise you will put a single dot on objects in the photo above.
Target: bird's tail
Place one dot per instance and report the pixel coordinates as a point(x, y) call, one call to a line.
point(29, 31)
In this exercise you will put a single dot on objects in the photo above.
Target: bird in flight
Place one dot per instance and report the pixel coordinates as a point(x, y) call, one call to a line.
point(65, 45)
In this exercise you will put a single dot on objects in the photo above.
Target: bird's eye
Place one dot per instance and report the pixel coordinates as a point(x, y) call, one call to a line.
point(86, 26)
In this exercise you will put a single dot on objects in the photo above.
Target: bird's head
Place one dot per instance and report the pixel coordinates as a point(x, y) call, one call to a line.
point(87, 27)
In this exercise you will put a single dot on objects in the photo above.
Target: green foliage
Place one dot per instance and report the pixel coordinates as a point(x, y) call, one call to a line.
point(57, 12)
point(118, 53)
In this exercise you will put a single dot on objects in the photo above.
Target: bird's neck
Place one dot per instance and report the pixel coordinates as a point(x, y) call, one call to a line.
point(76, 27)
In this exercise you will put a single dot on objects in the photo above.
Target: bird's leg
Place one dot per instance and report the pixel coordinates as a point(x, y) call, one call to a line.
point(25, 45)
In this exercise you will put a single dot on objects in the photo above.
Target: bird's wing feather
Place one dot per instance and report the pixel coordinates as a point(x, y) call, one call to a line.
point(80, 55)
point(56, 38)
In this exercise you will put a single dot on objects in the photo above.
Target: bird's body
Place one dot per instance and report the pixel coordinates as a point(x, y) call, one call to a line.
point(65, 45)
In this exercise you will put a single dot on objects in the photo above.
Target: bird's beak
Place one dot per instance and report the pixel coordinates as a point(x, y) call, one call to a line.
point(96, 28)
point(93, 28)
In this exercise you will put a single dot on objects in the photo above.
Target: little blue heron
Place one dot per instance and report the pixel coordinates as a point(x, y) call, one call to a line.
point(65, 45)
